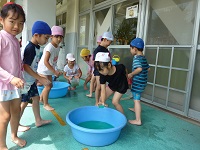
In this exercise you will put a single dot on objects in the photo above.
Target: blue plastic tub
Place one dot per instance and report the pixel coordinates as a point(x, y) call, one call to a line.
point(91, 136)
point(59, 89)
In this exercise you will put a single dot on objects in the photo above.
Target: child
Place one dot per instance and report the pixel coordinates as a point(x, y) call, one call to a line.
point(88, 58)
point(40, 35)
point(72, 72)
point(48, 62)
point(12, 19)
point(139, 74)
point(116, 77)
point(99, 40)
point(106, 40)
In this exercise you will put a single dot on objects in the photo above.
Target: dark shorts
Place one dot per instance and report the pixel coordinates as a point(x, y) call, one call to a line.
point(31, 93)
point(96, 72)
point(121, 90)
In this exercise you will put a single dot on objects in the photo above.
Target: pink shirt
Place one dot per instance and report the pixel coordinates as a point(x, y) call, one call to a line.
point(90, 64)
point(10, 60)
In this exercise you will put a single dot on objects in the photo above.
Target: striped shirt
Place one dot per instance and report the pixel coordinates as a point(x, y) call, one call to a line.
point(139, 80)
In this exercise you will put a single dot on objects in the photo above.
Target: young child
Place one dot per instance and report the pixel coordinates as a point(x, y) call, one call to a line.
point(12, 18)
point(48, 62)
point(40, 35)
point(106, 40)
point(99, 40)
point(72, 71)
point(139, 74)
point(116, 76)
point(88, 58)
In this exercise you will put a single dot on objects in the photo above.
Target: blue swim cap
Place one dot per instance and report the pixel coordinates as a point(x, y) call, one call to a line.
point(138, 43)
point(41, 27)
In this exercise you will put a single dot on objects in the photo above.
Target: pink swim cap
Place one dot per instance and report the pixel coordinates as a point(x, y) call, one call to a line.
point(99, 38)
point(56, 30)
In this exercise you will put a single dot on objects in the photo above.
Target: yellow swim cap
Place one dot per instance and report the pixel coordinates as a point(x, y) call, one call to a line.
point(85, 52)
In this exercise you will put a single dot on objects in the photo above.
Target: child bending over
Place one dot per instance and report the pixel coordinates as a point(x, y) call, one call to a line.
point(116, 77)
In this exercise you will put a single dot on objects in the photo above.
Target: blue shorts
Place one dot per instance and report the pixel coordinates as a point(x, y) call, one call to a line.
point(136, 96)
point(31, 93)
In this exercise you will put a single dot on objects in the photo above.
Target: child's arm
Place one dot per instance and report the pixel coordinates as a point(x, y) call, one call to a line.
point(32, 73)
point(79, 74)
point(67, 77)
point(136, 71)
point(103, 94)
point(47, 64)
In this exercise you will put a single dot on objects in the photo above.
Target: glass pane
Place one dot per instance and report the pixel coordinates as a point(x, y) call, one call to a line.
point(150, 54)
point(98, 1)
point(64, 18)
point(124, 29)
point(58, 20)
point(181, 82)
point(160, 95)
point(148, 92)
point(176, 100)
point(164, 56)
point(151, 75)
point(102, 22)
point(84, 29)
point(164, 28)
point(162, 75)
point(195, 96)
point(181, 55)
point(84, 5)
point(125, 57)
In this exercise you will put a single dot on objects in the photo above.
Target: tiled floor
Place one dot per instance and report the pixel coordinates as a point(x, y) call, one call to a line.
point(160, 130)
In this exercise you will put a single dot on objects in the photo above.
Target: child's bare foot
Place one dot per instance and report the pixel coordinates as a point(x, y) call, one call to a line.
point(85, 87)
point(132, 109)
point(22, 128)
point(20, 142)
point(48, 107)
point(42, 123)
point(89, 95)
point(135, 122)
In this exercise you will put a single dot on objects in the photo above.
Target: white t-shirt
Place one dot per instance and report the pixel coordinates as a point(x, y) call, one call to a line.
point(42, 69)
point(71, 72)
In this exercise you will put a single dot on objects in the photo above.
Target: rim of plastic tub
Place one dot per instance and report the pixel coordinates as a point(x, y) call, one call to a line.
point(67, 85)
point(95, 130)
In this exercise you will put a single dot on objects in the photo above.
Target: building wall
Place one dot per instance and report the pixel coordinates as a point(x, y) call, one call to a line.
point(170, 80)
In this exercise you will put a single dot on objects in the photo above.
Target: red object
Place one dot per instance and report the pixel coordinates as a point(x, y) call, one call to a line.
point(130, 81)
point(10, 3)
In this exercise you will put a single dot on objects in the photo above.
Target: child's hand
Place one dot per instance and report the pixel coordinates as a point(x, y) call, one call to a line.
point(57, 73)
point(19, 83)
point(44, 81)
point(76, 77)
point(130, 75)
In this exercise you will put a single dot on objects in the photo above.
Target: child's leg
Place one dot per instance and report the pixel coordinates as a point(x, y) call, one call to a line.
point(86, 81)
point(36, 110)
point(22, 128)
point(5, 118)
point(137, 109)
point(98, 90)
point(45, 94)
point(115, 101)
point(91, 85)
point(14, 121)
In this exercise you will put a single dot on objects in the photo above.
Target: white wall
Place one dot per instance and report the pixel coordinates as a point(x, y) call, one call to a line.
point(44, 10)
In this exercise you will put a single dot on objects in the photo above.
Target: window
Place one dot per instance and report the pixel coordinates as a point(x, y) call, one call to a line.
point(124, 28)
